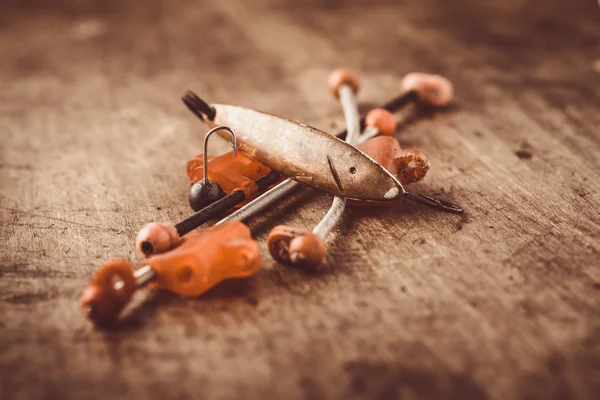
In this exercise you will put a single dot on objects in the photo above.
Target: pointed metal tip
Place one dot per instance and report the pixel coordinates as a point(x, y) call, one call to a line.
point(438, 204)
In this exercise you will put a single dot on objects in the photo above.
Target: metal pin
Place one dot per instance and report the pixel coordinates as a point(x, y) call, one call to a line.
point(369, 133)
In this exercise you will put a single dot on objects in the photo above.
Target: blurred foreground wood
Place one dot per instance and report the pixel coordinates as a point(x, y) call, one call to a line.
point(502, 303)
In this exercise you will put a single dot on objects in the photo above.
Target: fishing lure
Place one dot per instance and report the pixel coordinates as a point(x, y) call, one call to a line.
point(302, 153)
point(306, 154)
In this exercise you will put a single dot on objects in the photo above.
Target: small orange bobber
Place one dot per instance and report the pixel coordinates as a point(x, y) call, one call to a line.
point(341, 77)
point(432, 90)
point(383, 120)
point(156, 238)
point(296, 247)
point(409, 166)
point(109, 292)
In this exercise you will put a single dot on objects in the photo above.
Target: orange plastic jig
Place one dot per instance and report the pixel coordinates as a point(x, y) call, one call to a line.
point(202, 260)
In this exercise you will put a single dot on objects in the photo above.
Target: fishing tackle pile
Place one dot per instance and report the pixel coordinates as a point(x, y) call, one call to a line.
point(271, 156)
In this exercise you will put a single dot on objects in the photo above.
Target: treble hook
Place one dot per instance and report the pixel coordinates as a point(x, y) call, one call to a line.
point(205, 148)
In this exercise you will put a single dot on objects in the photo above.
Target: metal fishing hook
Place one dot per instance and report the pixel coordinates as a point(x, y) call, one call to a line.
point(205, 148)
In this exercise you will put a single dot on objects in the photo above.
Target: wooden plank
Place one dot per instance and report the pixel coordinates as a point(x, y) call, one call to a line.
point(500, 303)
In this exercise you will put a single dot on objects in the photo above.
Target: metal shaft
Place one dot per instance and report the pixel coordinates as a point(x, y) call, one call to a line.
point(350, 107)
point(369, 133)
point(258, 204)
point(144, 275)
point(331, 218)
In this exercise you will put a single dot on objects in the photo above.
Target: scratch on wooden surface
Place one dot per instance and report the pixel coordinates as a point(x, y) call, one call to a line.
point(17, 167)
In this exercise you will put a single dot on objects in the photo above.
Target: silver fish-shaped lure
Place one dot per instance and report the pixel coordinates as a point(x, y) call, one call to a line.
point(301, 152)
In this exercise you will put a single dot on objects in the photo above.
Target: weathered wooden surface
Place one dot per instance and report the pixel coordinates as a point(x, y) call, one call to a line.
point(502, 303)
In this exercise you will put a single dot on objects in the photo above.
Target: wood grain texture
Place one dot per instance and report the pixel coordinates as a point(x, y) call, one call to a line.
point(502, 303)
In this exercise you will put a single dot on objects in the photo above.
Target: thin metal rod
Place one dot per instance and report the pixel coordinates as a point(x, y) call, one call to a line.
point(209, 212)
point(331, 218)
point(205, 148)
point(262, 201)
point(350, 107)
point(369, 133)
point(144, 275)
point(147, 274)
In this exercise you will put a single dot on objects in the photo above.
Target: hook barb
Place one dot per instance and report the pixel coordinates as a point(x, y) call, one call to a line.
point(205, 147)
